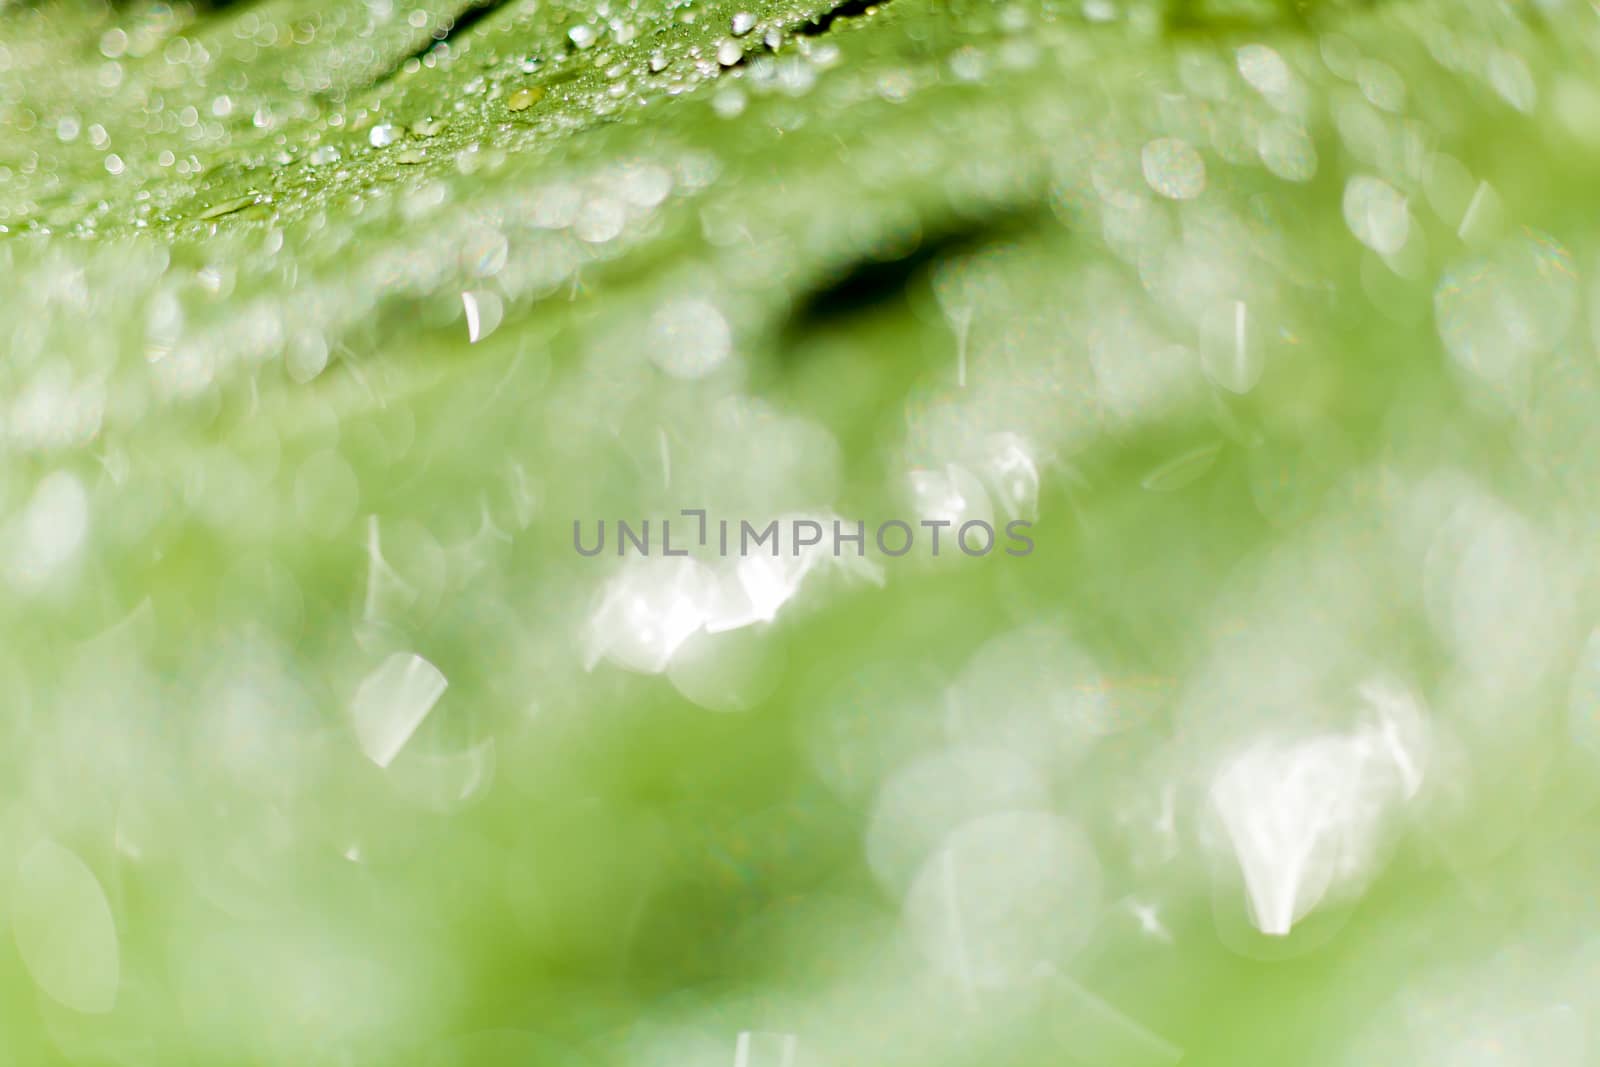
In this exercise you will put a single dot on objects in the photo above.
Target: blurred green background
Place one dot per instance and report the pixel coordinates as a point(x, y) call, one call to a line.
point(323, 322)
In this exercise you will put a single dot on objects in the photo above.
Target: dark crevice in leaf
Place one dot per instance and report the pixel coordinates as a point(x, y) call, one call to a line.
point(466, 20)
point(870, 283)
point(452, 28)
point(847, 10)
point(201, 7)
point(1204, 18)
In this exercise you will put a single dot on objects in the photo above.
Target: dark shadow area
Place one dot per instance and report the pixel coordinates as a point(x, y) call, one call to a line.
point(465, 21)
point(859, 287)
point(1207, 18)
point(816, 27)
point(847, 10)
point(456, 27)
point(453, 29)
point(202, 7)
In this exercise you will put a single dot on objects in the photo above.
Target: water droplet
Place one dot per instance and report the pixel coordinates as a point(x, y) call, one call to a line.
point(729, 52)
point(64, 930)
point(324, 154)
point(952, 494)
point(228, 207)
point(1509, 76)
point(484, 252)
point(1013, 475)
point(1173, 168)
point(729, 671)
point(1184, 470)
point(742, 23)
point(1483, 216)
point(645, 185)
point(391, 703)
point(484, 312)
point(1004, 894)
point(729, 103)
point(1302, 821)
point(306, 356)
point(1034, 692)
point(923, 801)
point(1376, 214)
point(1382, 85)
point(647, 611)
point(51, 529)
point(1264, 69)
point(1227, 354)
point(523, 99)
point(582, 35)
point(599, 220)
point(1495, 311)
point(383, 135)
point(658, 62)
point(689, 338)
point(1286, 150)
